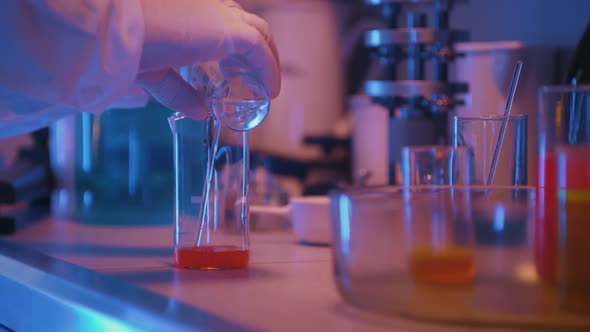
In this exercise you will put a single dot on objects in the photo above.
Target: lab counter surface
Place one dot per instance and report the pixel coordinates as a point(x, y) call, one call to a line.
point(287, 287)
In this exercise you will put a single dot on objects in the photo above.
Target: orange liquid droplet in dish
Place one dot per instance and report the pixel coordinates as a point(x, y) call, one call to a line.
point(212, 257)
point(444, 266)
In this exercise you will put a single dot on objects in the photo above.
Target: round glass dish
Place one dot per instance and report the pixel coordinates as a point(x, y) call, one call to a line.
point(459, 255)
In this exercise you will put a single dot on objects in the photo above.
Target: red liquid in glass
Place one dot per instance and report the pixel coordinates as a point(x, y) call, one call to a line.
point(212, 257)
point(574, 194)
point(546, 227)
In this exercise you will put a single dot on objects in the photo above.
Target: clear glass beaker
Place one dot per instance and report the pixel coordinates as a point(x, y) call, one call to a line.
point(562, 240)
point(211, 165)
point(481, 134)
point(437, 165)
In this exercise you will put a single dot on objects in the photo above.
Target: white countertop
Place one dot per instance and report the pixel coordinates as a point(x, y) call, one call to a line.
point(288, 286)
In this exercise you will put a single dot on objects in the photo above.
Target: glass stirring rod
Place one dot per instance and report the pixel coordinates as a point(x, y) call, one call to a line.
point(509, 101)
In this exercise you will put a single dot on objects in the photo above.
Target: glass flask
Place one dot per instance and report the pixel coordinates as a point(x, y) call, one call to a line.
point(237, 98)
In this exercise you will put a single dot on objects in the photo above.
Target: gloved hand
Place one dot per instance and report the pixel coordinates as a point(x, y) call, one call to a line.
point(185, 32)
point(68, 56)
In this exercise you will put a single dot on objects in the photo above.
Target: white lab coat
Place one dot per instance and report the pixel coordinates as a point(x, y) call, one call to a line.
point(44, 76)
point(58, 57)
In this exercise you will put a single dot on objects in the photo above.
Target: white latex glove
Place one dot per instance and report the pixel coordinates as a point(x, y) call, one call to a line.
point(184, 32)
point(60, 57)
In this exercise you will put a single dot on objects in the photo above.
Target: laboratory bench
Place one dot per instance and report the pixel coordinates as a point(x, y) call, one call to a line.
point(73, 276)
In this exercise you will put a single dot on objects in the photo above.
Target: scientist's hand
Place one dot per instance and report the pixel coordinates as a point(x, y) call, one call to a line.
point(185, 32)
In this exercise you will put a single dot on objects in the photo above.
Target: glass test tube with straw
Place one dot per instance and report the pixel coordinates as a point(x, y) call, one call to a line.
point(212, 166)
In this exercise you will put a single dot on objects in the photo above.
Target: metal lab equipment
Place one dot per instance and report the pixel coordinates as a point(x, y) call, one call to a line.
point(415, 89)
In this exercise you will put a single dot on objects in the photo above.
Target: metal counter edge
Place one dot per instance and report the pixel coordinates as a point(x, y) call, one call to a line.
point(42, 293)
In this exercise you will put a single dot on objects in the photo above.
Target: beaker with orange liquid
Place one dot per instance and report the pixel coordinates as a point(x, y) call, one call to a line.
point(463, 231)
point(562, 237)
point(573, 195)
point(211, 186)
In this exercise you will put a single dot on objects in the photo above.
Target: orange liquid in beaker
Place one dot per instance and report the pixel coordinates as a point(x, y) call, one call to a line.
point(443, 266)
point(212, 257)
point(574, 197)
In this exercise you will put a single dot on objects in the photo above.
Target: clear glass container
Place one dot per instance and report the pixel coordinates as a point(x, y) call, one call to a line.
point(481, 135)
point(211, 214)
point(437, 165)
point(237, 98)
point(563, 235)
point(211, 165)
point(452, 254)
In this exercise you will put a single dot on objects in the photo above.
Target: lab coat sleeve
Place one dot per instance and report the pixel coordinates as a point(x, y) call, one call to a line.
point(58, 57)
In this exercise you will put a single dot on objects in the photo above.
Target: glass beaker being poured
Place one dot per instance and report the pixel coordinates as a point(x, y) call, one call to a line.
point(211, 159)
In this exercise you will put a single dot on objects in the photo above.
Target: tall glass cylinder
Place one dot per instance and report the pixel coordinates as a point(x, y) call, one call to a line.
point(211, 207)
point(563, 206)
